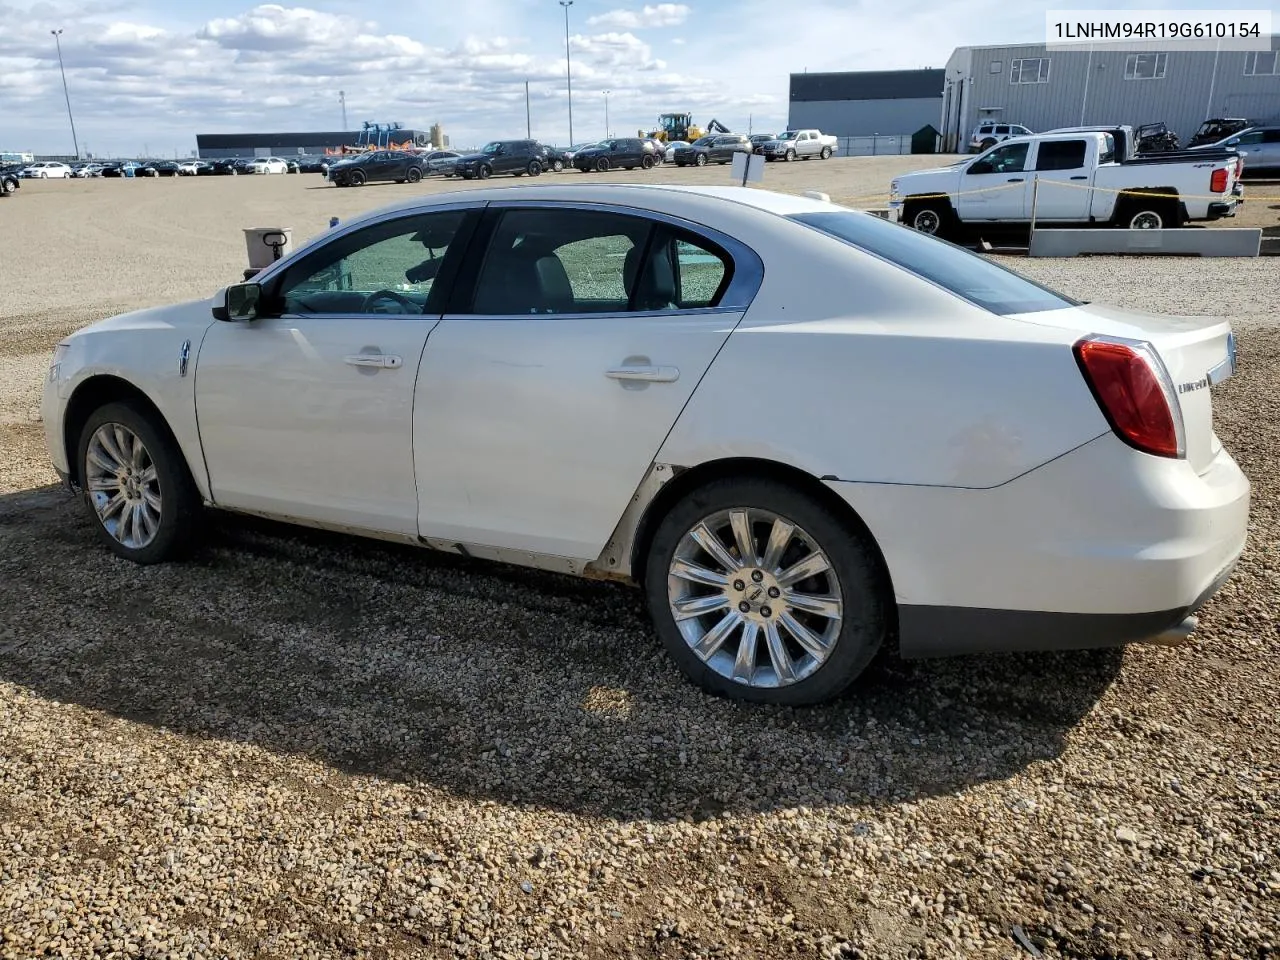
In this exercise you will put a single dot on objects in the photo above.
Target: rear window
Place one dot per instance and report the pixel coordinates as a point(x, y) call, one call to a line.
point(964, 273)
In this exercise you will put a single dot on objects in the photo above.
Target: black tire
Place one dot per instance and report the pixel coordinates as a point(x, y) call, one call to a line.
point(414, 175)
point(930, 217)
point(8, 187)
point(485, 171)
point(602, 165)
point(791, 155)
point(557, 166)
point(355, 178)
point(700, 160)
point(1142, 213)
point(646, 162)
point(180, 504)
point(826, 153)
point(534, 168)
point(857, 570)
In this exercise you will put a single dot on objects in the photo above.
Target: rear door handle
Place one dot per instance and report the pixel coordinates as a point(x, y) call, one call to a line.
point(1015, 179)
point(385, 361)
point(647, 374)
point(1082, 177)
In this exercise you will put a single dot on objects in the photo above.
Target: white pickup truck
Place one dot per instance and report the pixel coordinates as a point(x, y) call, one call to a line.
point(1075, 179)
point(804, 144)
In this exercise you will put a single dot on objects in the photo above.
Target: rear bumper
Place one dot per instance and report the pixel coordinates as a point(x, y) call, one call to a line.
point(1100, 547)
point(1218, 211)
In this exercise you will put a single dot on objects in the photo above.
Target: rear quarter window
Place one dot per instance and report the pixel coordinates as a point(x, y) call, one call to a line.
point(964, 273)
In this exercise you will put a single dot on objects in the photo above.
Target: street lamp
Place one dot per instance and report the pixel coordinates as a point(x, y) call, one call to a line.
point(606, 113)
point(76, 143)
point(568, 69)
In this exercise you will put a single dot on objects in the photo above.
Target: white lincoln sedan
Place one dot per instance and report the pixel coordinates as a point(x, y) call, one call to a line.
point(801, 430)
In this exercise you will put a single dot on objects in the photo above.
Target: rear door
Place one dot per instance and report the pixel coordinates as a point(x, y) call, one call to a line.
point(1061, 188)
point(544, 396)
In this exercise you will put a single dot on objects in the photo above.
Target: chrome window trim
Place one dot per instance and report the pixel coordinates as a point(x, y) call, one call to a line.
point(748, 267)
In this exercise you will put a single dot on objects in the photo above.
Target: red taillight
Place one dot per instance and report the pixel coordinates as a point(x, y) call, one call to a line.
point(1135, 395)
point(1218, 182)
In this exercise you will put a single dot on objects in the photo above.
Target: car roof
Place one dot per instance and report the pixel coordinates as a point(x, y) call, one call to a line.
point(695, 198)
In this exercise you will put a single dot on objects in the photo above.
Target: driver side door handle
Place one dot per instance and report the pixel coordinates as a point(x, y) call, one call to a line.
point(384, 361)
point(648, 374)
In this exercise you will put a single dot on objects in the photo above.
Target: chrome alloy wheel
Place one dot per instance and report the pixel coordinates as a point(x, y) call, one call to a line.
point(123, 486)
point(755, 597)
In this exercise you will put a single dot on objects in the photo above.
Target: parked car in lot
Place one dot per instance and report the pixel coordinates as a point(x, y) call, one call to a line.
point(435, 162)
point(799, 145)
point(394, 166)
point(515, 157)
point(269, 165)
point(1038, 473)
point(1259, 146)
point(758, 140)
point(1060, 172)
point(46, 169)
point(669, 155)
point(10, 180)
point(626, 153)
point(986, 135)
point(713, 148)
point(159, 168)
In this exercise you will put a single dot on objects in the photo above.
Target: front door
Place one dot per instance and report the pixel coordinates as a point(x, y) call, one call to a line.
point(1061, 189)
point(994, 186)
point(307, 414)
point(544, 398)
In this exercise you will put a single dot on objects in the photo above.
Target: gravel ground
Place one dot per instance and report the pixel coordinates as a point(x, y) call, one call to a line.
point(301, 745)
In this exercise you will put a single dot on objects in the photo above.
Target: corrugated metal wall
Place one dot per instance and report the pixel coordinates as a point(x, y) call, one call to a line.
point(863, 118)
point(1193, 88)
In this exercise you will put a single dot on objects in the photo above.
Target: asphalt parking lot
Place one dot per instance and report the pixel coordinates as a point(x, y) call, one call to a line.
point(303, 745)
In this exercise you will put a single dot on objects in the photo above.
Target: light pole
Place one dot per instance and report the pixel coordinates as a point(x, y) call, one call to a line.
point(342, 99)
point(568, 68)
point(606, 113)
point(528, 117)
point(57, 34)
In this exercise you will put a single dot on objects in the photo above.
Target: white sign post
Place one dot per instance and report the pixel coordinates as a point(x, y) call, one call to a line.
point(747, 167)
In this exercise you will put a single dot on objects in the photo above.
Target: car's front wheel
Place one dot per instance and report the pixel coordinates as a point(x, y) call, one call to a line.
point(762, 593)
point(136, 485)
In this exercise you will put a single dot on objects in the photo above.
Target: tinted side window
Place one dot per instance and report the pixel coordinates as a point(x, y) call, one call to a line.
point(564, 261)
point(388, 268)
point(1061, 155)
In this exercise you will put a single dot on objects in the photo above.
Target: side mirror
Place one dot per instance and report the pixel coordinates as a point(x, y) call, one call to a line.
point(239, 303)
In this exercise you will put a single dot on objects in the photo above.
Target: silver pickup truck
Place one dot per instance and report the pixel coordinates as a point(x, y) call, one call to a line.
point(803, 144)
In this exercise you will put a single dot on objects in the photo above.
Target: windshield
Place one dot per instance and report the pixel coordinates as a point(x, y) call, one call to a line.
point(787, 135)
point(703, 141)
point(964, 273)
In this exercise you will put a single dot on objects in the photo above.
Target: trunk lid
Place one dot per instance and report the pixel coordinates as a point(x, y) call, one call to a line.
point(1198, 352)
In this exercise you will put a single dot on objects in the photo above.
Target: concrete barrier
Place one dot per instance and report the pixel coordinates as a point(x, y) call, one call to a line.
point(1186, 242)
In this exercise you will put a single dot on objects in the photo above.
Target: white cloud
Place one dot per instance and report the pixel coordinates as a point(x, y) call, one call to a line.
point(648, 17)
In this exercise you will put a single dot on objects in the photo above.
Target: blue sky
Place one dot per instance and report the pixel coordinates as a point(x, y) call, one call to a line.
point(150, 74)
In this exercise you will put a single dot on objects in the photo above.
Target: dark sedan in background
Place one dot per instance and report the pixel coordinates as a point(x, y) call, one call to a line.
point(387, 166)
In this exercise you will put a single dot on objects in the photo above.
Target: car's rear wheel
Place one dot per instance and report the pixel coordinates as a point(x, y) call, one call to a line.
point(414, 175)
point(535, 168)
point(646, 162)
point(762, 593)
point(602, 165)
point(136, 484)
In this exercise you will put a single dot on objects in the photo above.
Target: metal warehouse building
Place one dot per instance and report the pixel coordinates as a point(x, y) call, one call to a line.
point(1043, 89)
point(889, 103)
point(214, 146)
